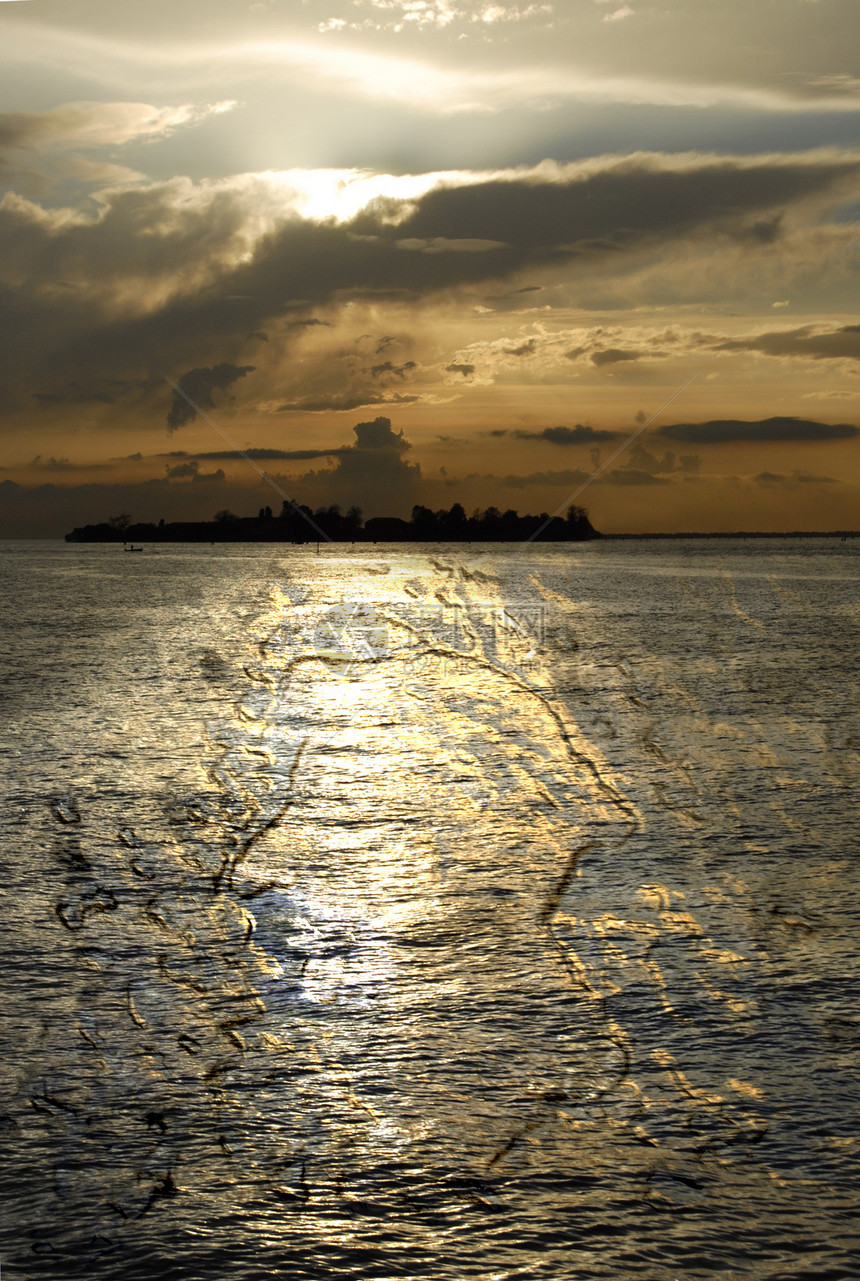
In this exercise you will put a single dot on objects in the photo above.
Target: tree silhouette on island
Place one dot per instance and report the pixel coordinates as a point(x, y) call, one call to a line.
point(299, 524)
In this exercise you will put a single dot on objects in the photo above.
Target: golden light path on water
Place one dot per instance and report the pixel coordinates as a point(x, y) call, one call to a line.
point(438, 803)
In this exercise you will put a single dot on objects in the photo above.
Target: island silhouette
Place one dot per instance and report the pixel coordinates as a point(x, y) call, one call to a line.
point(300, 524)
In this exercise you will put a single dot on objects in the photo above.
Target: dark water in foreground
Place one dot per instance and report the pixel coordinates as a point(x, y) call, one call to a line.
point(411, 912)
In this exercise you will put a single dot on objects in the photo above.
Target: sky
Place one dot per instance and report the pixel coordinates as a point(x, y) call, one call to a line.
point(431, 251)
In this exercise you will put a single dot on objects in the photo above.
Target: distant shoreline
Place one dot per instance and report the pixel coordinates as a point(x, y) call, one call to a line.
point(745, 533)
point(218, 538)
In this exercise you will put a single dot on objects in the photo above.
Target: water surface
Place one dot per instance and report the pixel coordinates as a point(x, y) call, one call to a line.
point(430, 912)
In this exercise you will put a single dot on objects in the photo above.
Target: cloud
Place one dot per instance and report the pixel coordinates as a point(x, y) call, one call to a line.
point(776, 480)
point(343, 403)
point(55, 464)
point(720, 431)
point(160, 275)
point(263, 455)
point(618, 15)
point(641, 459)
point(808, 341)
point(102, 124)
point(446, 245)
point(609, 204)
point(85, 125)
point(379, 434)
point(388, 367)
point(570, 478)
point(632, 476)
point(448, 58)
point(199, 384)
point(548, 348)
point(373, 474)
point(310, 323)
point(830, 393)
point(577, 435)
point(191, 471)
point(613, 356)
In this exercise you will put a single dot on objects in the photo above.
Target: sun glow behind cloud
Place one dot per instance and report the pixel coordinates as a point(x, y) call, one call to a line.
point(341, 194)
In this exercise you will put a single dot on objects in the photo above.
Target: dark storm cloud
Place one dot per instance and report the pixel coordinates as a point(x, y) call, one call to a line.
point(627, 202)
point(379, 434)
point(537, 221)
point(720, 430)
point(145, 283)
point(836, 344)
point(262, 455)
point(465, 370)
point(577, 435)
point(199, 384)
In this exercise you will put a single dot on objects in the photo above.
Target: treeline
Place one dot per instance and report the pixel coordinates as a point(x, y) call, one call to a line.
point(299, 524)
point(495, 526)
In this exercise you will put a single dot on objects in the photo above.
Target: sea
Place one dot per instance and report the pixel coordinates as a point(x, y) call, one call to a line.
point(431, 912)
